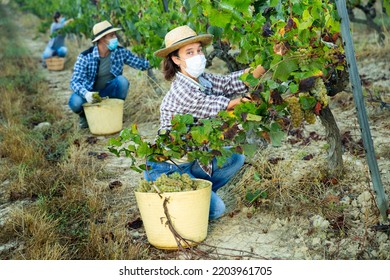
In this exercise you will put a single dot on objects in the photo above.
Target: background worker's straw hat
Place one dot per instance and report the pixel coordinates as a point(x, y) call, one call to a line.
point(102, 28)
point(181, 36)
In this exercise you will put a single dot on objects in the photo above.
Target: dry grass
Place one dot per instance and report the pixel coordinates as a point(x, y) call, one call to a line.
point(292, 185)
point(55, 188)
point(142, 103)
point(366, 43)
point(41, 240)
point(17, 146)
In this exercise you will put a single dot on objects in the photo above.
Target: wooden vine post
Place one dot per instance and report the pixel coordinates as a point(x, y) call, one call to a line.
point(380, 195)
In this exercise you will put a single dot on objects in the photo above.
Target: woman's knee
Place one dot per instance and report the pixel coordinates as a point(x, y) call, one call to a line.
point(236, 161)
point(47, 53)
point(239, 159)
point(217, 207)
point(61, 52)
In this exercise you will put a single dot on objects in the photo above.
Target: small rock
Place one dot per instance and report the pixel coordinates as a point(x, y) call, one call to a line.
point(42, 125)
point(319, 222)
point(135, 234)
point(364, 199)
point(316, 241)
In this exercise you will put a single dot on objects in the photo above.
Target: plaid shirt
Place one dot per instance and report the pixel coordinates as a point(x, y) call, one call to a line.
point(189, 97)
point(86, 67)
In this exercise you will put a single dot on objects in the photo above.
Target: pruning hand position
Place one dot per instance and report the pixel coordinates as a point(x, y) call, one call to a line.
point(89, 96)
point(258, 72)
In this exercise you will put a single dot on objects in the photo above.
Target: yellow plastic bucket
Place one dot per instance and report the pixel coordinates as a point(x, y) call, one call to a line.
point(105, 117)
point(189, 213)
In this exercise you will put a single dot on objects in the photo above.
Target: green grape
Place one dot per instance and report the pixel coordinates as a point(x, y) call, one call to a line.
point(296, 112)
point(309, 116)
point(320, 93)
point(171, 183)
point(96, 97)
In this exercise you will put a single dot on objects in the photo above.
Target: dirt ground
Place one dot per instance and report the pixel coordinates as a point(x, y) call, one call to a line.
point(268, 231)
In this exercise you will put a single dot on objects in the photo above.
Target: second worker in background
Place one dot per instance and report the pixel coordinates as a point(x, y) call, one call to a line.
point(100, 69)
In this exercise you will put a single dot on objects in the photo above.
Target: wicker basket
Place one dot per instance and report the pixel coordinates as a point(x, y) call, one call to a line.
point(55, 63)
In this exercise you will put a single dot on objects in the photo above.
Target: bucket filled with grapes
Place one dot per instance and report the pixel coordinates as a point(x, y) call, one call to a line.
point(174, 210)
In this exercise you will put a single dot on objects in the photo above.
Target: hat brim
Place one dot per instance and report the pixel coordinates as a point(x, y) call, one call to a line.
point(204, 39)
point(105, 33)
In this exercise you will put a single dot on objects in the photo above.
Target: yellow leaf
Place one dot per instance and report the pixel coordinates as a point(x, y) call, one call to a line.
point(282, 31)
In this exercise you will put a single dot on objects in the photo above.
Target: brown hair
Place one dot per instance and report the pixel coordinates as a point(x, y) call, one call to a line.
point(56, 16)
point(170, 68)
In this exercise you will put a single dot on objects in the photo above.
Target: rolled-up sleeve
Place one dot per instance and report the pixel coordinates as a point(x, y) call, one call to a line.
point(227, 85)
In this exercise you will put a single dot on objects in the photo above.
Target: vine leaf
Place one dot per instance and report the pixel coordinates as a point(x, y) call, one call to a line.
point(307, 102)
point(276, 135)
point(285, 68)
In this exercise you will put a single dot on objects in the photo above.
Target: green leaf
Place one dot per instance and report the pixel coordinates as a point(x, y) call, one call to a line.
point(199, 137)
point(307, 102)
point(114, 142)
point(252, 117)
point(216, 31)
point(273, 3)
point(135, 168)
point(293, 87)
point(386, 6)
point(249, 149)
point(125, 134)
point(248, 77)
point(142, 166)
point(285, 68)
point(276, 135)
point(252, 197)
point(256, 177)
point(144, 150)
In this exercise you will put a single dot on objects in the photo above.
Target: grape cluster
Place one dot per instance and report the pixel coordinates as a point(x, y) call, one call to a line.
point(304, 57)
point(96, 97)
point(309, 116)
point(295, 110)
point(320, 93)
point(171, 183)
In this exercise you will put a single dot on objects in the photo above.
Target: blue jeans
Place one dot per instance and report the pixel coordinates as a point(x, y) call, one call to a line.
point(49, 52)
point(219, 177)
point(116, 88)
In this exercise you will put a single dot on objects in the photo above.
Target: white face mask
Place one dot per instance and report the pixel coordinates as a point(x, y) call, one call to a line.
point(196, 65)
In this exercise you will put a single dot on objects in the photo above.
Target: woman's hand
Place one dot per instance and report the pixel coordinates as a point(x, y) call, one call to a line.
point(234, 102)
point(69, 21)
point(258, 72)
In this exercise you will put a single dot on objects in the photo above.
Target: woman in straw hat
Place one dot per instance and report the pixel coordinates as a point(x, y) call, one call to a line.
point(100, 68)
point(202, 95)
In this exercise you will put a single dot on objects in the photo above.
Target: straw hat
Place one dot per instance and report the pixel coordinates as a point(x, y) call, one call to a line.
point(181, 36)
point(102, 28)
